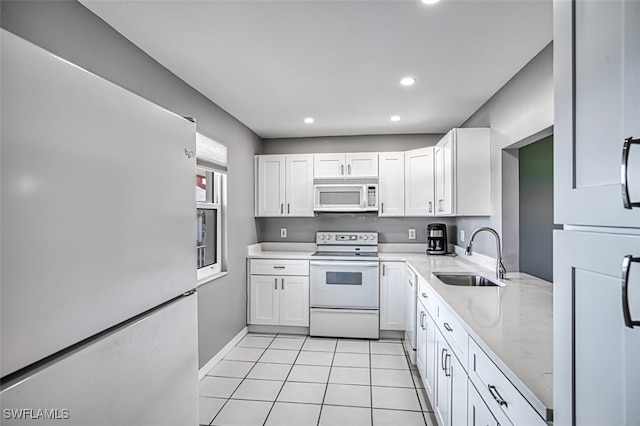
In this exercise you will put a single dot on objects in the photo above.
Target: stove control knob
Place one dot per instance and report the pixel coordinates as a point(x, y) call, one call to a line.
point(364, 237)
point(322, 237)
point(328, 236)
point(372, 237)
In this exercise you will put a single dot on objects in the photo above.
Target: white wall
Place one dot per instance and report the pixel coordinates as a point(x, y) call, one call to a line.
point(520, 112)
point(69, 30)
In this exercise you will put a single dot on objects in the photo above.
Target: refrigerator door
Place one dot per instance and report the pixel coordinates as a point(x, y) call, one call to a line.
point(98, 211)
point(145, 373)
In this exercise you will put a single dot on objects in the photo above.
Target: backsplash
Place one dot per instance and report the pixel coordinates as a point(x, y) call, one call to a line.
point(390, 230)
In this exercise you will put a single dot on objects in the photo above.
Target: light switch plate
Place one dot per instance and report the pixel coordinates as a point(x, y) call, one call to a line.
point(283, 232)
point(412, 234)
point(462, 235)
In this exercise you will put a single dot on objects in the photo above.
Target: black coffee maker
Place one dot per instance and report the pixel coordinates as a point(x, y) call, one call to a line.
point(436, 238)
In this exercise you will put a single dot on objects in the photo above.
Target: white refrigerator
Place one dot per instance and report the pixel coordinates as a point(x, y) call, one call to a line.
point(98, 318)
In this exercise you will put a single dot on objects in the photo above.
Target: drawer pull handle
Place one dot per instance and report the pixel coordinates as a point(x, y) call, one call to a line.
point(425, 295)
point(448, 327)
point(443, 358)
point(626, 266)
point(276, 284)
point(624, 175)
point(422, 317)
point(496, 396)
point(282, 284)
point(279, 267)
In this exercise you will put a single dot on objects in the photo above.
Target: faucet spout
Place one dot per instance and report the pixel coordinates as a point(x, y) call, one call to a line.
point(500, 269)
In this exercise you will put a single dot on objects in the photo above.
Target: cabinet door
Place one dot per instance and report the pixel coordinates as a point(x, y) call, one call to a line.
point(265, 302)
point(391, 295)
point(442, 396)
point(270, 184)
point(294, 301)
point(458, 378)
point(444, 169)
point(391, 186)
point(477, 411)
point(362, 164)
point(419, 189)
point(431, 358)
point(589, 133)
point(592, 345)
point(329, 166)
point(299, 185)
point(421, 341)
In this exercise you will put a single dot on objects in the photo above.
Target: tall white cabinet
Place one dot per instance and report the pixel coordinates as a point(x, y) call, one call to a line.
point(419, 179)
point(463, 173)
point(284, 185)
point(391, 185)
point(597, 254)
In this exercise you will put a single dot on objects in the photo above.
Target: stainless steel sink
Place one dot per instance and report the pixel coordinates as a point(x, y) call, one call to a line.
point(468, 279)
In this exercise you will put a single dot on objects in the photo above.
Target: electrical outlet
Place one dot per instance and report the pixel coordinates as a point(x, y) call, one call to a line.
point(412, 234)
point(462, 235)
point(283, 232)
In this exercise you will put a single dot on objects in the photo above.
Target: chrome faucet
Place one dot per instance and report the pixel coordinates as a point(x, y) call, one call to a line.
point(500, 269)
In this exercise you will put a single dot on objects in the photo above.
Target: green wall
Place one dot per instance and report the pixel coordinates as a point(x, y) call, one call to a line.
point(536, 208)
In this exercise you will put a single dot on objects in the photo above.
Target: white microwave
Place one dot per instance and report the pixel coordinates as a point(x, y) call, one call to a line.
point(345, 197)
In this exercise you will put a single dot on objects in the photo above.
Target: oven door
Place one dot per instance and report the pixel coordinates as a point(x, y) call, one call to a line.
point(339, 198)
point(344, 284)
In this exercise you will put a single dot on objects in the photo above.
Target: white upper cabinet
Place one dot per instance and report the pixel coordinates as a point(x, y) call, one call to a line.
point(329, 166)
point(419, 182)
point(299, 185)
point(391, 185)
point(356, 165)
point(362, 165)
point(597, 107)
point(270, 185)
point(284, 185)
point(463, 173)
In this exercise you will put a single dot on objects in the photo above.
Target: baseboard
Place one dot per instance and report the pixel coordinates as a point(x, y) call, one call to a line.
point(221, 354)
point(275, 329)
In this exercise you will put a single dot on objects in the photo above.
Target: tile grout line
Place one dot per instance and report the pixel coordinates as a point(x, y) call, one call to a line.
point(285, 379)
point(241, 381)
point(371, 382)
point(415, 387)
point(327, 386)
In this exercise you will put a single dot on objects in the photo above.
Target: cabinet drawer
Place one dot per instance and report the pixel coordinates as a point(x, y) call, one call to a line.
point(505, 402)
point(455, 334)
point(427, 296)
point(279, 267)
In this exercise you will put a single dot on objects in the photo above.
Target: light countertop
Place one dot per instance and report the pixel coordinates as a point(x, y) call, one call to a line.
point(512, 324)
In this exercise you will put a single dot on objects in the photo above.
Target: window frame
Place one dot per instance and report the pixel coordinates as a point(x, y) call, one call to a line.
point(214, 201)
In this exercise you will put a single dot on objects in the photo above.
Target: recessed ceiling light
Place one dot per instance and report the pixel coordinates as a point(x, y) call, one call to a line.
point(308, 120)
point(430, 1)
point(408, 81)
point(395, 118)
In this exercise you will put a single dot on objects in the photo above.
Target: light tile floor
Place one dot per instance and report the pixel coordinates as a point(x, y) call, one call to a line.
point(280, 380)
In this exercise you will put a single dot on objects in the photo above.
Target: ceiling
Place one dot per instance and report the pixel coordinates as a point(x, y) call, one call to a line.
point(272, 63)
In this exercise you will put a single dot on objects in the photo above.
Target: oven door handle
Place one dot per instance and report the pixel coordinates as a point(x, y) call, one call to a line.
point(355, 263)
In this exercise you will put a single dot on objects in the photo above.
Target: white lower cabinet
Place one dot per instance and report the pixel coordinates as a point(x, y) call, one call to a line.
point(477, 411)
point(279, 300)
point(450, 399)
point(392, 297)
point(426, 348)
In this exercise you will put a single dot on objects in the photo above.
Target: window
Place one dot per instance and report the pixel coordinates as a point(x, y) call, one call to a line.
point(211, 180)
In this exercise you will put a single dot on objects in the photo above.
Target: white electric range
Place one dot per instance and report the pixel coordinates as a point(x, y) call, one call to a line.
point(345, 285)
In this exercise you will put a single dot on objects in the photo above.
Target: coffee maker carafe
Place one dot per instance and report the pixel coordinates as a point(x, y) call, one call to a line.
point(436, 238)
